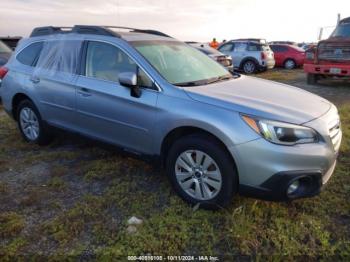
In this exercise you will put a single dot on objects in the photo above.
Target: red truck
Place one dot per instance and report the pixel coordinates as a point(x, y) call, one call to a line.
point(331, 57)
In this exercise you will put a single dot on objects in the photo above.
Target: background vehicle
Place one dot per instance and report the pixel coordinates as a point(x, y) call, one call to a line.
point(224, 60)
point(5, 53)
point(11, 41)
point(331, 57)
point(283, 43)
point(288, 56)
point(249, 56)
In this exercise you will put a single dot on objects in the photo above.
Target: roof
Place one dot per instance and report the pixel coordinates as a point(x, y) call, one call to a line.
point(127, 33)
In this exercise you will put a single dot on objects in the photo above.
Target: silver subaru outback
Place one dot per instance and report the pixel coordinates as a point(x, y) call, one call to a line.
point(215, 133)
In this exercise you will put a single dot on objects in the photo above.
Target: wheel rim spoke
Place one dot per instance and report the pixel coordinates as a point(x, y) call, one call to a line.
point(213, 183)
point(183, 175)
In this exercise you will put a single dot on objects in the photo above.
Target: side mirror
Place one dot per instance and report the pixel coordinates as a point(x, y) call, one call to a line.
point(129, 79)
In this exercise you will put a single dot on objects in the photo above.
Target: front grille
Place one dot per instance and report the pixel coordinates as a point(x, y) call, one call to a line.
point(338, 52)
point(335, 132)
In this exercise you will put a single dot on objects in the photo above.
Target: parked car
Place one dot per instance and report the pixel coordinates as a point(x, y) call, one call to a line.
point(215, 133)
point(249, 56)
point(330, 58)
point(288, 56)
point(5, 53)
point(257, 40)
point(283, 43)
point(11, 42)
point(224, 60)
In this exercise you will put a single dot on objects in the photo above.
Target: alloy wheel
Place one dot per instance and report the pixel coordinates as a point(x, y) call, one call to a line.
point(198, 174)
point(249, 67)
point(29, 123)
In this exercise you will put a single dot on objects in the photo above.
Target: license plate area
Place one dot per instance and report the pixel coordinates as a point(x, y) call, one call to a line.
point(334, 70)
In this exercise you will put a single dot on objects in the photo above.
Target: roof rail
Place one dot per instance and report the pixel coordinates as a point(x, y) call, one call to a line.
point(90, 29)
point(49, 30)
point(136, 30)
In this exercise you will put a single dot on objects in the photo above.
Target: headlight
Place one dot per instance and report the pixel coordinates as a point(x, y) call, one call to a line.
point(281, 133)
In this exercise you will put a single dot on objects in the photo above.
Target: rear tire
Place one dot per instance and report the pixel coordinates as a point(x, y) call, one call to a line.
point(311, 79)
point(289, 64)
point(249, 67)
point(30, 124)
point(202, 172)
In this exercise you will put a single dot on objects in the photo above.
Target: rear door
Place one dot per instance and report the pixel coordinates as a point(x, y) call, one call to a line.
point(105, 109)
point(53, 79)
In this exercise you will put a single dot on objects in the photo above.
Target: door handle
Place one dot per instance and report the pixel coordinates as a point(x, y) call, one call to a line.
point(84, 92)
point(34, 79)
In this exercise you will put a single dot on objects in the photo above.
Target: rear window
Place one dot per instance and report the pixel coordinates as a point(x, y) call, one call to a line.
point(279, 48)
point(4, 48)
point(29, 55)
point(254, 47)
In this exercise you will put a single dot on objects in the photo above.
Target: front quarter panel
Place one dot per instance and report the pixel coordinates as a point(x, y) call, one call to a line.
point(181, 111)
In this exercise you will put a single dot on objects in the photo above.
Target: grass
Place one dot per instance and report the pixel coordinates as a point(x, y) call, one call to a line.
point(78, 205)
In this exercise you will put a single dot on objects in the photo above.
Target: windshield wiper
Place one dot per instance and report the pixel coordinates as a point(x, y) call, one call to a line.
point(219, 79)
point(193, 83)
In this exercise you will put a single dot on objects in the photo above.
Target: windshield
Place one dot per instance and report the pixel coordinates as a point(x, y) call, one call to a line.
point(4, 48)
point(181, 64)
point(342, 30)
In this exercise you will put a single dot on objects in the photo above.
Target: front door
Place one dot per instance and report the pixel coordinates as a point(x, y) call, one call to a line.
point(105, 109)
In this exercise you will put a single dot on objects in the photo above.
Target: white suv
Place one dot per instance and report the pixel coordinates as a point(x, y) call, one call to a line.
point(249, 56)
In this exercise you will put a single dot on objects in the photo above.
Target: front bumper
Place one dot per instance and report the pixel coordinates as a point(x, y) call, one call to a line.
point(343, 69)
point(266, 170)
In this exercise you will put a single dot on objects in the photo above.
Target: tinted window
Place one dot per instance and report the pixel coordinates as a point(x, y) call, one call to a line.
point(239, 47)
point(29, 55)
point(226, 48)
point(106, 62)
point(254, 47)
point(279, 48)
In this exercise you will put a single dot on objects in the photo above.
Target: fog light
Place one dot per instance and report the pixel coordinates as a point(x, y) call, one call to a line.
point(293, 187)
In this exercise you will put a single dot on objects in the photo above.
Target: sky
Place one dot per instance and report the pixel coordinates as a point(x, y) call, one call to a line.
point(186, 20)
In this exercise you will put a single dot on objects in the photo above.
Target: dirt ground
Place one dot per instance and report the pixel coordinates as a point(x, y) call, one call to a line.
point(72, 199)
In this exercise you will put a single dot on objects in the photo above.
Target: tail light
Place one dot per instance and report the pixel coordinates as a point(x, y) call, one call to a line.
point(3, 72)
point(263, 55)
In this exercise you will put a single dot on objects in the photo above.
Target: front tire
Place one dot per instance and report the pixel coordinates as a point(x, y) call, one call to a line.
point(30, 124)
point(201, 171)
point(311, 79)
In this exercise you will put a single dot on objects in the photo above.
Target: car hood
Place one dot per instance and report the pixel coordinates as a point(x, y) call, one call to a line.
point(263, 98)
point(4, 57)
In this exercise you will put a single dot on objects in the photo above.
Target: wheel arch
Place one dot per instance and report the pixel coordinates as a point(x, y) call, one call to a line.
point(248, 58)
point(182, 131)
point(17, 98)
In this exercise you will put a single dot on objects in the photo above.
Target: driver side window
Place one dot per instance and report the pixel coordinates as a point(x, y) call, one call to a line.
point(105, 61)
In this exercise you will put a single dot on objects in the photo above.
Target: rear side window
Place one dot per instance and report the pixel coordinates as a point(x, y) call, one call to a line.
point(254, 47)
point(28, 56)
point(60, 56)
point(239, 47)
point(278, 48)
